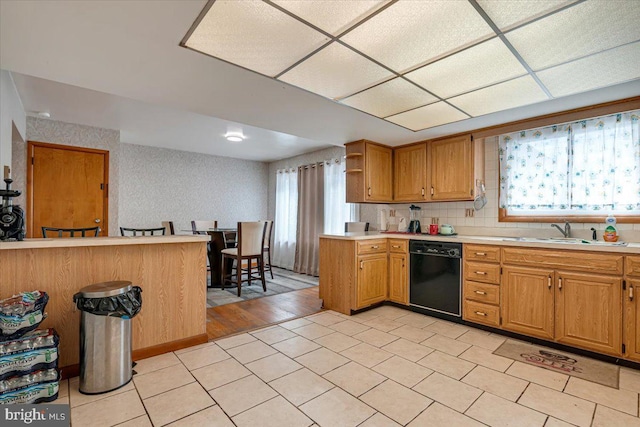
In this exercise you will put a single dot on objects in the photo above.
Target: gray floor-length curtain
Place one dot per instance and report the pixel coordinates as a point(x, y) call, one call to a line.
point(310, 218)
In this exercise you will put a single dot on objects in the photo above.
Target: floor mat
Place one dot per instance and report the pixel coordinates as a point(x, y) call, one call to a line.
point(564, 363)
point(283, 281)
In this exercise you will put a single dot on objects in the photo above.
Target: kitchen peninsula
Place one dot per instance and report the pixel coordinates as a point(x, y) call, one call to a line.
point(171, 270)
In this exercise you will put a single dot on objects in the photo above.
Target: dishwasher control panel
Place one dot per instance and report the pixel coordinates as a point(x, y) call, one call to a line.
point(446, 249)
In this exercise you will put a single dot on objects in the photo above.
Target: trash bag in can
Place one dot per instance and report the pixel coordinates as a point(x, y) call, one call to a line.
point(105, 334)
point(124, 305)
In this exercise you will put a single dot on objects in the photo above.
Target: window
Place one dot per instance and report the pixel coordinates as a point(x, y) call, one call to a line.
point(586, 169)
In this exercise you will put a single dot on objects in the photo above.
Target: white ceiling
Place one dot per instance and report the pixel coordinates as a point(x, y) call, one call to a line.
point(119, 65)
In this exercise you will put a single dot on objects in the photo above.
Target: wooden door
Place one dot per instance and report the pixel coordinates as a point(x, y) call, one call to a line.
point(451, 168)
point(589, 312)
point(66, 188)
point(410, 173)
point(528, 301)
point(398, 278)
point(378, 165)
point(372, 280)
point(632, 320)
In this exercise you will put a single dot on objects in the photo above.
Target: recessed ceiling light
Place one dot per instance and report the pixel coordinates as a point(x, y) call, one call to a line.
point(234, 136)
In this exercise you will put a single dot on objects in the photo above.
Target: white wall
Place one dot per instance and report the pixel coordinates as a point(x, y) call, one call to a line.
point(158, 184)
point(485, 221)
point(11, 115)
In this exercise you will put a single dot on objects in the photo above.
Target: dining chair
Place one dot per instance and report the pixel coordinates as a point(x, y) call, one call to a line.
point(267, 245)
point(61, 232)
point(168, 225)
point(139, 232)
point(250, 248)
point(356, 226)
point(201, 227)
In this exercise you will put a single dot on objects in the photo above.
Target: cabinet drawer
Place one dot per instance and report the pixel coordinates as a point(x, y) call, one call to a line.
point(482, 313)
point(398, 246)
point(482, 272)
point(372, 246)
point(482, 292)
point(570, 260)
point(632, 267)
point(482, 253)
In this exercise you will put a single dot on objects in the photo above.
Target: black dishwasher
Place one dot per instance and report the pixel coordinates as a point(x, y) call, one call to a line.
point(435, 279)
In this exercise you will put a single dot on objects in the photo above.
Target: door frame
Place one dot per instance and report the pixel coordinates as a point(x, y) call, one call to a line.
point(104, 227)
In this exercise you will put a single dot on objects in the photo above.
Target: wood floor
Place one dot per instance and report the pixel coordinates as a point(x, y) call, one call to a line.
point(230, 319)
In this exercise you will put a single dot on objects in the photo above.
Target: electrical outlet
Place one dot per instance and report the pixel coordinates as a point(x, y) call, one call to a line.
point(468, 213)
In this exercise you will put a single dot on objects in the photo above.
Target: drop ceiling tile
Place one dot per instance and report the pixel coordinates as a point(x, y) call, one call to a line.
point(428, 116)
point(586, 28)
point(254, 35)
point(514, 93)
point(390, 98)
point(412, 33)
point(336, 72)
point(603, 69)
point(482, 65)
point(332, 16)
point(508, 14)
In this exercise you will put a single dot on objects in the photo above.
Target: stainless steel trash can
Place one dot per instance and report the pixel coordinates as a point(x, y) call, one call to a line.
point(105, 340)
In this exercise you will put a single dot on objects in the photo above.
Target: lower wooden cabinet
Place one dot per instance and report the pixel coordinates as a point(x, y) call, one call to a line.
point(632, 320)
point(528, 301)
point(371, 284)
point(399, 278)
point(589, 312)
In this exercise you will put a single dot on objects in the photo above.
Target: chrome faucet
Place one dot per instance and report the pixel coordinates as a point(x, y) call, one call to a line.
point(567, 229)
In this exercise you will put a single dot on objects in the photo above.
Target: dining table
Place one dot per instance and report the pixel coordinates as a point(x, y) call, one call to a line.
point(221, 238)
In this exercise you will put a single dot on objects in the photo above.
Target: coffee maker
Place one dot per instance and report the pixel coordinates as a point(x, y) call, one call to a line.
point(11, 217)
point(414, 223)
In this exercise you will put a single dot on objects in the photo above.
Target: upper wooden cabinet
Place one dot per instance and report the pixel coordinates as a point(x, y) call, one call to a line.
point(440, 170)
point(410, 173)
point(369, 172)
point(452, 168)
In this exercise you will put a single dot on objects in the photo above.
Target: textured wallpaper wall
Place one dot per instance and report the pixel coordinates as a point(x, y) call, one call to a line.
point(159, 184)
point(55, 132)
point(292, 162)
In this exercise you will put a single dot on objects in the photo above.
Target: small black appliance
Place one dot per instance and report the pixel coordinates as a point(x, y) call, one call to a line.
point(414, 223)
point(11, 217)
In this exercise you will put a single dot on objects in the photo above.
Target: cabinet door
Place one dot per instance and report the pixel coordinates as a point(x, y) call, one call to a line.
point(378, 165)
point(527, 301)
point(398, 278)
point(589, 312)
point(372, 280)
point(451, 168)
point(632, 320)
point(410, 173)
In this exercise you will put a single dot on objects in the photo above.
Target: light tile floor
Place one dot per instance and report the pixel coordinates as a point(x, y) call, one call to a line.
point(384, 367)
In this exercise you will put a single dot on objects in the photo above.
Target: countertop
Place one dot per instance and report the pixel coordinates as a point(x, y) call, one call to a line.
point(102, 241)
point(631, 248)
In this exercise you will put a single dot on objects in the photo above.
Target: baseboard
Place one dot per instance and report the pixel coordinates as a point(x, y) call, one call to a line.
point(71, 371)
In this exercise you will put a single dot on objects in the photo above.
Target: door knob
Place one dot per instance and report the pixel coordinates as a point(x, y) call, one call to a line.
point(97, 220)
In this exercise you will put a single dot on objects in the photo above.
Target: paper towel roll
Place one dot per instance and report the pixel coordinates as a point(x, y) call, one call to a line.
point(383, 220)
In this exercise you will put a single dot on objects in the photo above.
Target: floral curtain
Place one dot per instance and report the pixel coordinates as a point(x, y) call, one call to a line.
point(586, 167)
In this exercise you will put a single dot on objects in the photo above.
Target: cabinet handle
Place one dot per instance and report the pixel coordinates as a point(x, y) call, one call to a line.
point(481, 254)
point(480, 313)
point(402, 262)
point(395, 246)
point(432, 191)
point(361, 264)
point(480, 292)
point(482, 273)
point(630, 293)
point(369, 191)
point(549, 282)
point(560, 283)
point(375, 247)
point(422, 191)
